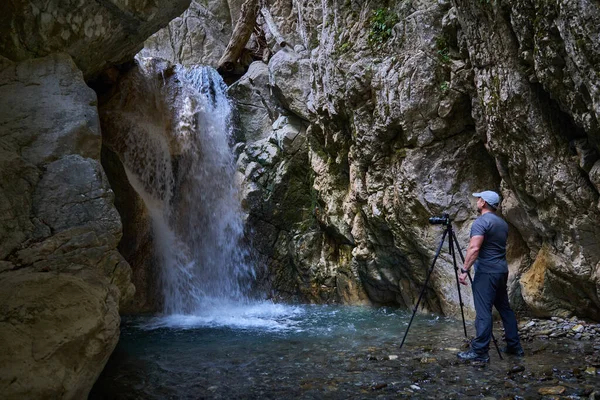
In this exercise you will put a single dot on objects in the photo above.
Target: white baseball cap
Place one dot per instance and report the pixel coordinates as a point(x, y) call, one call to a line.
point(492, 198)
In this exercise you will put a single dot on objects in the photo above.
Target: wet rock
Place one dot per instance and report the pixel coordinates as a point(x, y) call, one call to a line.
point(591, 370)
point(578, 328)
point(550, 390)
point(516, 369)
point(379, 386)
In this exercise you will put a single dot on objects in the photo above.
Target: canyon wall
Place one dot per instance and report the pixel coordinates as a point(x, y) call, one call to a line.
point(62, 278)
point(379, 115)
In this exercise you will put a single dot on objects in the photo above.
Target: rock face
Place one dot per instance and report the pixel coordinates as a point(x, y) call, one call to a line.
point(95, 34)
point(61, 277)
point(198, 36)
point(539, 112)
point(401, 111)
point(386, 131)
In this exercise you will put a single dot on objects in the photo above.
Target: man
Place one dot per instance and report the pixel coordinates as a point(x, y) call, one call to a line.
point(487, 251)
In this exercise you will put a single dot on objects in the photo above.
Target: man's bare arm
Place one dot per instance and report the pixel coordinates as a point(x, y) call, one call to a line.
point(473, 251)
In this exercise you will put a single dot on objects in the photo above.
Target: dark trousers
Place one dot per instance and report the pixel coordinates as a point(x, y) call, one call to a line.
point(490, 290)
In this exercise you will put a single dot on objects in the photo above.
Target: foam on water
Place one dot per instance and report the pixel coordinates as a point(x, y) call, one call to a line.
point(263, 315)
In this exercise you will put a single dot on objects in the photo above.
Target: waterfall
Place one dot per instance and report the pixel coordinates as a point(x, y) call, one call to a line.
point(180, 162)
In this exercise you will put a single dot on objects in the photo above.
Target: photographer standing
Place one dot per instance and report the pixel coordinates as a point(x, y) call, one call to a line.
point(487, 251)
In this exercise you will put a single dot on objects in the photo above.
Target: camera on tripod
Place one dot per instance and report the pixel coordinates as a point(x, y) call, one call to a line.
point(443, 220)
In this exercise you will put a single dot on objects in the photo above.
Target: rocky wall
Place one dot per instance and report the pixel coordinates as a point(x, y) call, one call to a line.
point(405, 122)
point(61, 277)
point(378, 115)
point(97, 34)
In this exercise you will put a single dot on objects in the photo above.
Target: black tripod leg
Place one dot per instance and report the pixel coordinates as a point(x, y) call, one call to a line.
point(437, 253)
point(471, 280)
point(453, 253)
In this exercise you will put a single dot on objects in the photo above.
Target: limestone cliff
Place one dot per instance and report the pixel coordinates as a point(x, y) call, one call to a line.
point(97, 34)
point(62, 280)
point(382, 114)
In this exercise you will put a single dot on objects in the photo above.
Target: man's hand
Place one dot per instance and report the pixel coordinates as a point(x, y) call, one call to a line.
point(462, 278)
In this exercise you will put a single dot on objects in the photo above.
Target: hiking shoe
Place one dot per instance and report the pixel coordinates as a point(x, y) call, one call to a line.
point(515, 351)
point(472, 356)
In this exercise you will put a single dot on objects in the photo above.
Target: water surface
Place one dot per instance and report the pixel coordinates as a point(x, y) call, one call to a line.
point(264, 350)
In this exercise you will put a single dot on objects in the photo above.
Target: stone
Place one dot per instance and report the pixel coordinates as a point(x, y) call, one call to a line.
point(63, 279)
point(199, 36)
point(256, 108)
point(95, 34)
point(59, 344)
point(550, 390)
point(290, 73)
point(516, 369)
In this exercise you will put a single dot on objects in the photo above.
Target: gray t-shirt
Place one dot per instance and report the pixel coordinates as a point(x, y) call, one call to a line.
point(492, 254)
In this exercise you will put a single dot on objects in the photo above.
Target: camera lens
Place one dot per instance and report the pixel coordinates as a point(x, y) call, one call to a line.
point(439, 220)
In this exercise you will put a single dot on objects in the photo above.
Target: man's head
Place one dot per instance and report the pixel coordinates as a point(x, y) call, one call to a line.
point(487, 200)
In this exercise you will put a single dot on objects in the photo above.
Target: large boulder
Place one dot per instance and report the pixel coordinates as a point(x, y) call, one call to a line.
point(62, 278)
point(96, 34)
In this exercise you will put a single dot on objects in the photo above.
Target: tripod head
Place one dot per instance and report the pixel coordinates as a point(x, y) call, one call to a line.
point(444, 219)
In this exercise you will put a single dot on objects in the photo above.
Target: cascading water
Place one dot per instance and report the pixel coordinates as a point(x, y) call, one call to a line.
point(181, 164)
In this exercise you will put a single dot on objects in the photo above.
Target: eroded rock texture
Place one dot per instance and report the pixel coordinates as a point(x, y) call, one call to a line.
point(536, 75)
point(96, 34)
point(198, 36)
point(389, 140)
point(61, 277)
point(403, 122)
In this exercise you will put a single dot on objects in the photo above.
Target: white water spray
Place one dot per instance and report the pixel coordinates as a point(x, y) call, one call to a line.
point(181, 164)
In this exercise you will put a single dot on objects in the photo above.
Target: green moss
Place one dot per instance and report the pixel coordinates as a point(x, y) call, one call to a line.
point(445, 86)
point(381, 23)
point(443, 49)
point(401, 152)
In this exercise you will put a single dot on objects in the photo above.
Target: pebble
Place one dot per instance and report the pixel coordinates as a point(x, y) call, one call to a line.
point(516, 369)
point(578, 328)
point(552, 390)
point(557, 327)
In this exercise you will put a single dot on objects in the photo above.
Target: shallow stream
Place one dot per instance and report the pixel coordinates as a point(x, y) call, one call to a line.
point(270, 351)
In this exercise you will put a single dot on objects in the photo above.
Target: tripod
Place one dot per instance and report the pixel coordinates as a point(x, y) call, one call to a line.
point(452, 241)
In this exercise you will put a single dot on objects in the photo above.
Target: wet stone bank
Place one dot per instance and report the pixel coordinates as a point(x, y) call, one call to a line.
point(315, 352)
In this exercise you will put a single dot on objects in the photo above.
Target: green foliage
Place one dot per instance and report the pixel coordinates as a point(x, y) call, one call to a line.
point(382, 21)
point(443, 50)
point(345, 47)
point(445, 86)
